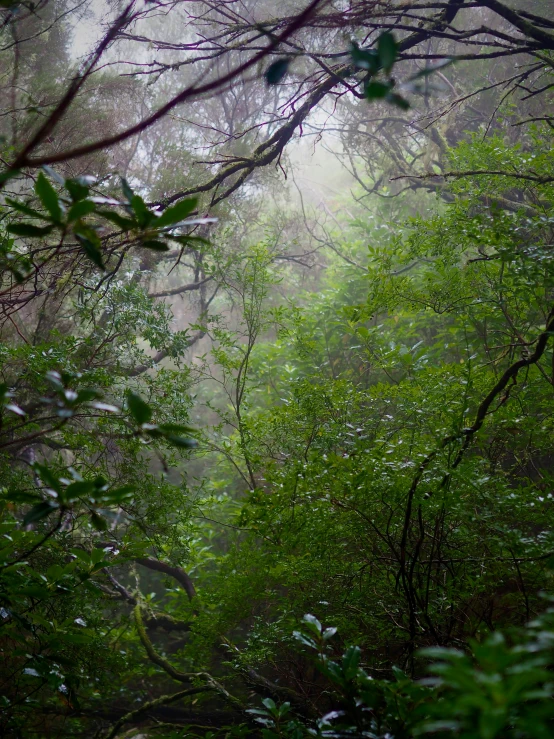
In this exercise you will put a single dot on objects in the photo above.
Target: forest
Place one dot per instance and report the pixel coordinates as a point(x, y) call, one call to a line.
point(277, 369)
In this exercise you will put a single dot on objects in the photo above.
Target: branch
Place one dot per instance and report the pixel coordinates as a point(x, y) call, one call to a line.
point(177, 573)
point(161, 355)
point(72, 91)
point(510, 374)
point(157, 619)
point(176, 674)
point(539, 179)
point(38, 544)
point(483, 410)
point(193, 90)
point(526, 28)
point(182, 289)
point(121, 590)
point(162, 700)
point(153, 656)
point(271, 149)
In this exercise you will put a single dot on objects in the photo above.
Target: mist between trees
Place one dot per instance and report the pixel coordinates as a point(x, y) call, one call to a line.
point(277, 369)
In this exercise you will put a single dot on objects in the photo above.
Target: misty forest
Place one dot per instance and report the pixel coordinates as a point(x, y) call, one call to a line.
point(277, 369)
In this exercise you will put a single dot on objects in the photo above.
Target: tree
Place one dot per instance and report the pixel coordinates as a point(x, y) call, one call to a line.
point(375, 431)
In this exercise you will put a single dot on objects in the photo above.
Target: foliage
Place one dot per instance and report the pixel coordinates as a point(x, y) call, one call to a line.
point(343, 410)
point(499, 689)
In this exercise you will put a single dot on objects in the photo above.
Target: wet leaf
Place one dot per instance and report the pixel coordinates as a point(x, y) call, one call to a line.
point(77, 189)
point(277, 70)
point(140, 411)
point(127, 191)
point(48, 197)
point(80, 210)
point(387, 48)
point(376, 90)
point(125, 224)
point(144, 216)
point(23, 208)
point(27, 229)
point(92, 251)
point(176, 213)
point(98, 522)
point(39, 512)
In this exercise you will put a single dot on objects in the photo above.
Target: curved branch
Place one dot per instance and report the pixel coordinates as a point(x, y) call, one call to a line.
point(177, 573)
point(539, 179)
point(157, 619)
point(153, 656)
point(176, 674)
point(161, 701)
point(468, 433)
point(182, 289)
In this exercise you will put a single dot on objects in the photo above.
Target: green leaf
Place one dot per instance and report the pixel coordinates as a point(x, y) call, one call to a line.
point(304, 639)
point(181, 441)
point(101, 406)
point(35, 591)
point(269, 703)
point(336, 673)
point(77, 190)
point(277, 70)
point(350, 662)
point(98, 522)
point(100, 483)
point(74, 638)
point(312, 622)
point(23, 208)
point(141, 411)
point(77, 489)
point(8, 175)
point(82, 555)
point(51, 172)
point(80, 209)
point(176, 213)
point(27, 229)
point(125, 224)
point(175, 428)
point(21, 496)
point(39, 512)
point(127, 191)
point(376, 90)
point(48, 197)
point(144, 216)
point(15, 409)
point(387, 49)
point(55, 378)
point(48, 477)
point(87, 394)
point(92, 251)
point(31, 671)
point(116, 495)
point(365, 58)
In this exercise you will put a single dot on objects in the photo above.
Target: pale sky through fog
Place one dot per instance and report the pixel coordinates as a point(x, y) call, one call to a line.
point(88, 31)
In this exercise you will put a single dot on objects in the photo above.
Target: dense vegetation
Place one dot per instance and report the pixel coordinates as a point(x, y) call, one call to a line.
point(276, 446)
